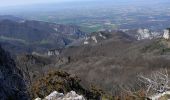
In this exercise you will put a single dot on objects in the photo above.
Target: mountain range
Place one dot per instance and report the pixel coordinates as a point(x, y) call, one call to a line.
point(109, 60)
point(32, 36)
point(104, 61)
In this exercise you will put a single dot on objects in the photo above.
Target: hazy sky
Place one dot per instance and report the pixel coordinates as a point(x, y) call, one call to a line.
point(4, 3)
point(7, 3)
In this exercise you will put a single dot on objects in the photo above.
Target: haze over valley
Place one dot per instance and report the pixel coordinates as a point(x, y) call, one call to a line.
point(97, 15)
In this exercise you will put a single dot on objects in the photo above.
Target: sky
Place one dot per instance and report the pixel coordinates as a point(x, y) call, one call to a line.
point(6, 3)
point(12, 3)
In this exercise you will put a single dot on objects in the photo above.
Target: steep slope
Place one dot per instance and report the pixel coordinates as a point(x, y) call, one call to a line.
point(36, 35)
point(12, 86)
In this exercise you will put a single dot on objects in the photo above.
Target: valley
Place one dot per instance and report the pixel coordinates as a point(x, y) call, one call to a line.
point(94, 15)
point(85, 50)
point(99, 59)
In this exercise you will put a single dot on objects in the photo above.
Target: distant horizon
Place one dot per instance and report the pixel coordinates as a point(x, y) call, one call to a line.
point(13, 3)
point(19, 6)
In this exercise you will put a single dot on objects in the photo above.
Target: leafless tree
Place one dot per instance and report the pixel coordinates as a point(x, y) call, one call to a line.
point(157, 82)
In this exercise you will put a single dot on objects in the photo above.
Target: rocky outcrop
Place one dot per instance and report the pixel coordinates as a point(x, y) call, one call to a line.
point(166, 34)
point(144, 34)
point(12, 86)
point(60, 96)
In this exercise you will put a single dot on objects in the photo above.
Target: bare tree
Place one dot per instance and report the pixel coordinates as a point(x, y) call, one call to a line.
point(154, 85)
point(157, 82)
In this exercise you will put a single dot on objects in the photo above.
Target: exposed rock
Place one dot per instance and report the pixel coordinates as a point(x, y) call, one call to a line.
point(166, 34)
point(73, 96)
point(54, 95)
point(12, 85)
point(146, 34)
point(38, 99)
point(60, 96)
point(54, 52)
point(143, 34)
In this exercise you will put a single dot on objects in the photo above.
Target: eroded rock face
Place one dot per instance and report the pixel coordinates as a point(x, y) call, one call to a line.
point(147, 34)
point(166, 34)
point(12, 86)
point(60, 96)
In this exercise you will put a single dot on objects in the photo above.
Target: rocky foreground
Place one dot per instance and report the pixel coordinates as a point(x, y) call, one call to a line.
point(60, 96)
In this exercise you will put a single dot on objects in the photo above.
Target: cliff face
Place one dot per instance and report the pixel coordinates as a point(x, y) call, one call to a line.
point(12, 86)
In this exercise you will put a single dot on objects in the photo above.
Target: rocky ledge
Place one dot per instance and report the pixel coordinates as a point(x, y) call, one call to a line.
point(60, 96)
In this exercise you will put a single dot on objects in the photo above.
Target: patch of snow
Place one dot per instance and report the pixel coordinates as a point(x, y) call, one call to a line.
point(94, 39)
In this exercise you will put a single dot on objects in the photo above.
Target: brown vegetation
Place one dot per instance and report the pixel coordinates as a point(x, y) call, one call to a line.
point(62, 82)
